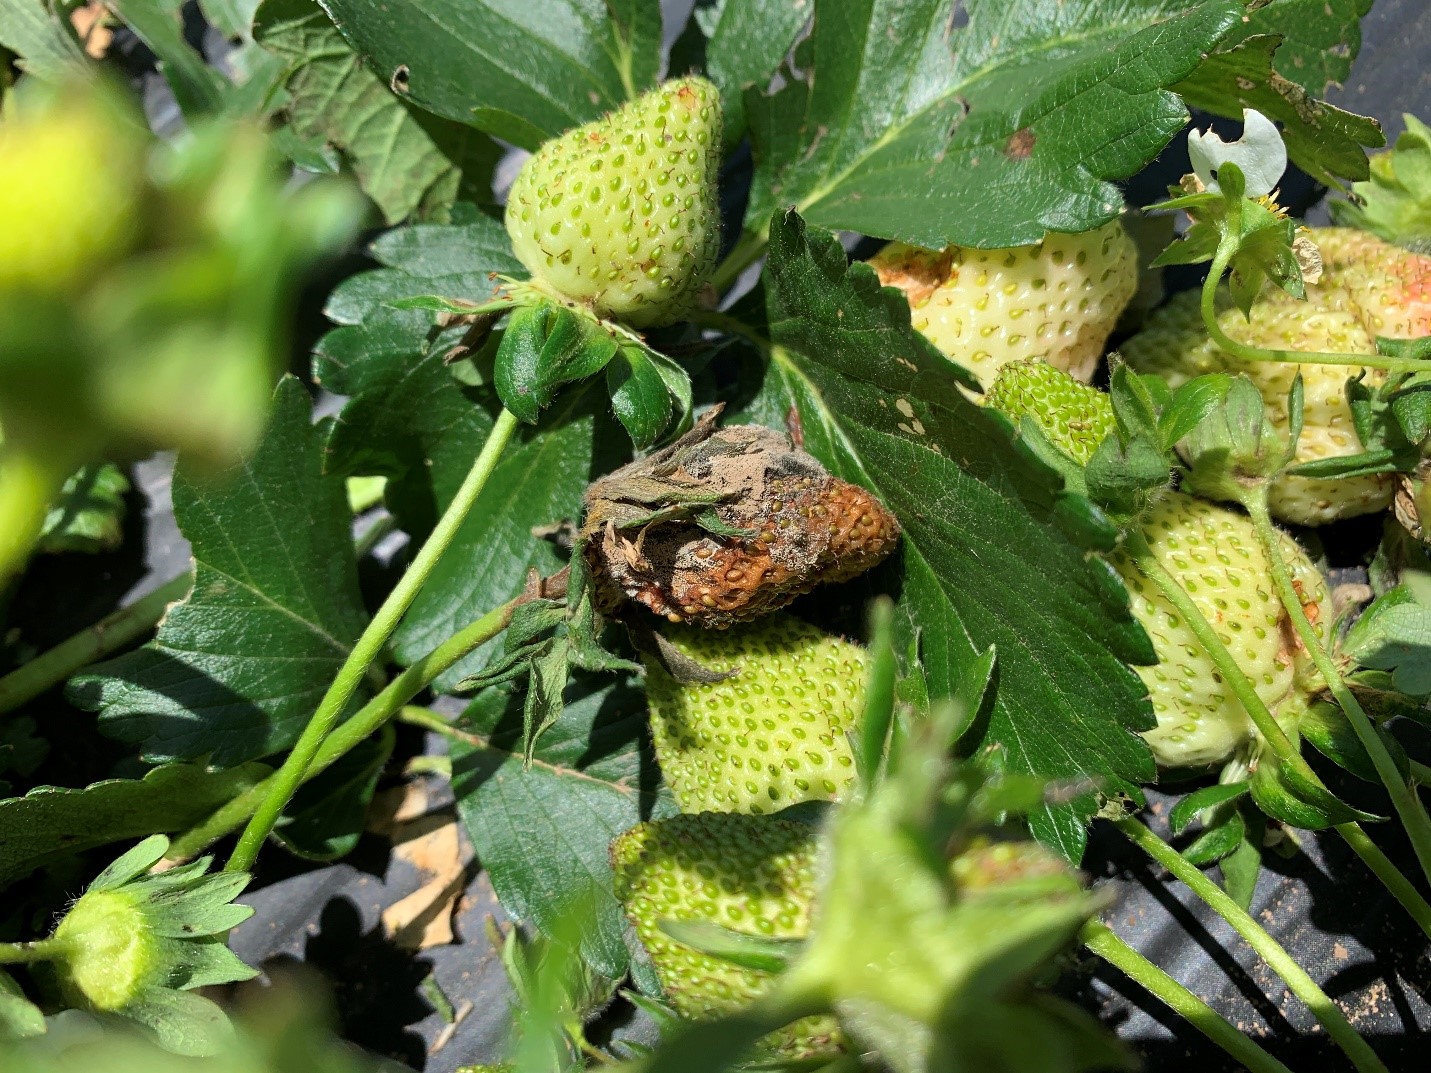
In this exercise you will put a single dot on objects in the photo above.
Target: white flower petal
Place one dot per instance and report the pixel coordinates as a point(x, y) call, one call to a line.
point(1260, 153)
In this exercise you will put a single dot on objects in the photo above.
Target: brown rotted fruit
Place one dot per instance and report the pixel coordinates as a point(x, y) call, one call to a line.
point(725, 525)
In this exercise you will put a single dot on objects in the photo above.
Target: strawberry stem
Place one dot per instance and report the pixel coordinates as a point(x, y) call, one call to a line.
point(369, 646)
point(94, 642)
point(27, 953)
point(368, 719)
point(1403, 796)
point(1225, 252)
point(1282, 748)
point(1302, 985)
point(1099, 939)
point(747, 250)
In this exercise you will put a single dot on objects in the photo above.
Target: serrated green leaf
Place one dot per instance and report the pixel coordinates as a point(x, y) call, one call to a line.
point(987, 135)
point(452, 260)
point(240, 665)
point(51, 822)
point(407, 160)
point(47, 48)
point(984, 559)
point(1324, 141)
point(1320, 38)
point(522, 72)
point(543, 830)
point(739, 44)
point(325, 818)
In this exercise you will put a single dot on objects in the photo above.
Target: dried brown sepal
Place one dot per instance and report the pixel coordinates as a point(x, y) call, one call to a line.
point(726, 525)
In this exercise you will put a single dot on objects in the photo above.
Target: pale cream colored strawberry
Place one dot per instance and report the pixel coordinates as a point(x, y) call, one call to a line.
point(1175, 346)
point(1056, 301)
point(1213, 553)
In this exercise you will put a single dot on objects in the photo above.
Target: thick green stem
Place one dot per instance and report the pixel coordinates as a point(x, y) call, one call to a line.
point(747, 251)
point(1330, 1015)
point(1282, 747)
point(1099, 939)
point(1247, 352)
point(109, 634)
point(1403, 797)
point(369, 647)
point(368, 720)
point(25, 953)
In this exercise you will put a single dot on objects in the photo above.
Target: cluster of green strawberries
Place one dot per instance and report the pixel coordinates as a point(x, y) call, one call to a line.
point(619, 218)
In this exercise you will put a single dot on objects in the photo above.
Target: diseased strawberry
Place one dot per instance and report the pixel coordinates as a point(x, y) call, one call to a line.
point(1214, 554)
point(1367, 288)
point(751, 874)
point(1056, 301)
point(772, 735)
point(726, 525)
point(621, 214)
point(1075, 417)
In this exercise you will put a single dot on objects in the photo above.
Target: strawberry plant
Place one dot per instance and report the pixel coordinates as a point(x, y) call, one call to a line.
point(772, 467)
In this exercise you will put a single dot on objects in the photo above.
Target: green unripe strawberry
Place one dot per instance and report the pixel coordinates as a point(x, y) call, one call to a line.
point(1075, 417)
point(69, 187)
point(621, 214)
point(773, 734)
point(116, 954)
point(1056, 301)
point(1214, 554)
point(750, 874)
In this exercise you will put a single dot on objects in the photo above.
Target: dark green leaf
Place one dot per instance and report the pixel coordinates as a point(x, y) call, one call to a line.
point(1322, 140)
point(197, 87)
point(1186, 810)
point(523, 72)
point(407, 160)
point(47, 48)
point(1320, 38)
point(233, 18)
point(543, 830)
point(739, 44)
point(51, 822)
point(984, 560)
point(989, 135)
point(1217, 841)
point(239, 667)
point(639, 396)
point(325, 818)
point(454, 260)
